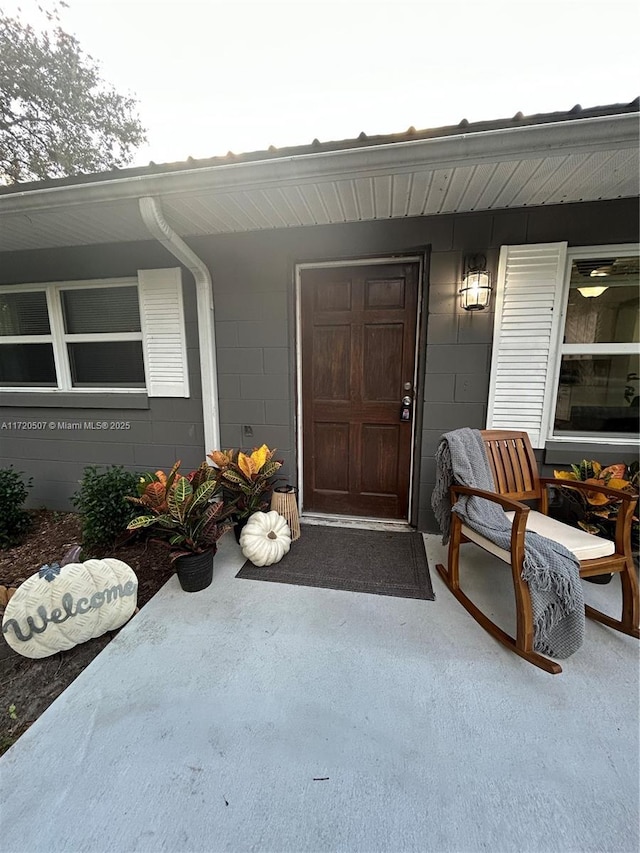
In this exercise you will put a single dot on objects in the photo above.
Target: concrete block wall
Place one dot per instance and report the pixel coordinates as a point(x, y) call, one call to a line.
point(253, 278)
point(256, 373)
point(255, 320)
point(161, 430)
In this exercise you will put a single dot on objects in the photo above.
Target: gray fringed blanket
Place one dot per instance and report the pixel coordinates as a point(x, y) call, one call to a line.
point(549, 569)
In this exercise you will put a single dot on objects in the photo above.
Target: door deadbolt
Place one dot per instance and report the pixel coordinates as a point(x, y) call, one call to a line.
point(407, 386)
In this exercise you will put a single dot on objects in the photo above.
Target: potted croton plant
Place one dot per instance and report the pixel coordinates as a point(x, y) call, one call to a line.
point(246, 480)
point(186, 514)
point(594, 511)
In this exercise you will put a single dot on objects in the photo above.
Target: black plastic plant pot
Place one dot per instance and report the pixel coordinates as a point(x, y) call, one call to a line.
point(239, 526)
point(195, 571)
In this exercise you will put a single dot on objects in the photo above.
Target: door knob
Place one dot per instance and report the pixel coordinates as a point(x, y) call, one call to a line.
point(406, 401)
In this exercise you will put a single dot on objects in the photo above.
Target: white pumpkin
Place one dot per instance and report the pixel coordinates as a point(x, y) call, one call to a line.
point(60, 607)
point(266, 538)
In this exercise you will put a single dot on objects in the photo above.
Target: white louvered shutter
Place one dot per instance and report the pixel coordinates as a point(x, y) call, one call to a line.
point(525, 338)
point(163, 332)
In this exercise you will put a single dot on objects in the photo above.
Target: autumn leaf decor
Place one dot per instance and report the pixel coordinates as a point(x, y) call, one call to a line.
point(246, 479)
point(598, 509)
point(185, 512)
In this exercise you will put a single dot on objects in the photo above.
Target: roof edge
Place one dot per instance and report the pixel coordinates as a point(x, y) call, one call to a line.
point(544, 138)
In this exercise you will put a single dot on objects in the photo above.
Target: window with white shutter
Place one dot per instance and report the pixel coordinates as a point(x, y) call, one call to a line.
point(565, 365)
point(106, 335)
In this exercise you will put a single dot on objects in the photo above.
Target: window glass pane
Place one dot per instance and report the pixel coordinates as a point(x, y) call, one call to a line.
point(24, 314)
point(101, 309)
point(108, 364)
point(27, 364)
point(598, 394)
point(604, 302)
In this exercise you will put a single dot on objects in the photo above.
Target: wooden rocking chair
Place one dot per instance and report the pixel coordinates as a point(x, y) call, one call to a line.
point(515, 473)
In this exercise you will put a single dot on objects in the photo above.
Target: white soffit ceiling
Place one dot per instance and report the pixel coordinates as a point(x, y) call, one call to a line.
point(386, 182)
point(522, 183)
point(80, 225)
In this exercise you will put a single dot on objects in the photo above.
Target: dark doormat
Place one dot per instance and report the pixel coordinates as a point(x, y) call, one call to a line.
point(355, 560)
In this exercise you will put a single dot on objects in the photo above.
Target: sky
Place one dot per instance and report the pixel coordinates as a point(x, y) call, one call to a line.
point(215, 76)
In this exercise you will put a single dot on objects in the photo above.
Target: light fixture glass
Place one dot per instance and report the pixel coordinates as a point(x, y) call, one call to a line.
point(475, 293)
point(590, 292)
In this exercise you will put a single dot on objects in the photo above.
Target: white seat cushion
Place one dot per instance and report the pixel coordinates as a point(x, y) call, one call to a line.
point(585, 546)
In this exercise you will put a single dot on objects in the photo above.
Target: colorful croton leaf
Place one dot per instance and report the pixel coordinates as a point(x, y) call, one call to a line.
point(246, 478)
point(185, 511)
point(598, 506)
point(251, 466)
point(590, 471)
point(221, 458)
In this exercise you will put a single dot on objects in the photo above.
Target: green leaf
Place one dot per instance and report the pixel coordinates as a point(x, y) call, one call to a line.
point(179, 498)
point(234, 478)
point(203, 493)
point(142, 521)
point(270, 468)
point(182, 489)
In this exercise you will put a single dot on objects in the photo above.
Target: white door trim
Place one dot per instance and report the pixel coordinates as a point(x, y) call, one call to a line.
point(365, 262)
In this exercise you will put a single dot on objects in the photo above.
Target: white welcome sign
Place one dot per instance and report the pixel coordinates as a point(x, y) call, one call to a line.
point(60, 607)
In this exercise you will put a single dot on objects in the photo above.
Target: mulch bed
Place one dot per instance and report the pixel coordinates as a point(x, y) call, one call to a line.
point(28, 686)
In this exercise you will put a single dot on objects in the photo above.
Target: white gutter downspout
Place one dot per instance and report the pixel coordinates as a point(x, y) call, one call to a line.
point(151, 211)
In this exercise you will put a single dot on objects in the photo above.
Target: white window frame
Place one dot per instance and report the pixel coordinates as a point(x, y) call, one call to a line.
point(162, 334)
point(559, 348)
point(59, 338)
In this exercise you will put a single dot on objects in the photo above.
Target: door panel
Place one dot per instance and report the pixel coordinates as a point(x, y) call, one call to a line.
point(381, 368)
point(331, 376)
point(358, 351)
point(331, 441)
point(379, 443)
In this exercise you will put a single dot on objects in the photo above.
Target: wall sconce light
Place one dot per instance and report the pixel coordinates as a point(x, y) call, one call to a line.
point(475, 293)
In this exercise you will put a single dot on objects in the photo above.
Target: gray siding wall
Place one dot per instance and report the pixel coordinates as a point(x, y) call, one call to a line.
point(254, 303)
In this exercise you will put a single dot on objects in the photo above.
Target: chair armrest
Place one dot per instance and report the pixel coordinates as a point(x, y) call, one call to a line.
point(505, 503)
point(518, 525)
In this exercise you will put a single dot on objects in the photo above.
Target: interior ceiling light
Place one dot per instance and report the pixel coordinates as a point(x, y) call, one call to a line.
point(587, 266)
point(590, 292)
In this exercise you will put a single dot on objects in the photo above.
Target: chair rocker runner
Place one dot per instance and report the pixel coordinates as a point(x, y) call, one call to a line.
point(516, 478)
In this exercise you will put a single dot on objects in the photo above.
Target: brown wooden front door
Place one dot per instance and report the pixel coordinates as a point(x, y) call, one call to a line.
point(358, 352)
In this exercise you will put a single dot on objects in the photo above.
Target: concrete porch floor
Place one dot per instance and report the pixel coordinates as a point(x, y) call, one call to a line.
point(270, 718)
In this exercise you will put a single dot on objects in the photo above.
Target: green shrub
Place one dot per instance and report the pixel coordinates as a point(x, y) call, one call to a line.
point(14, 520)
point(102, 505)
